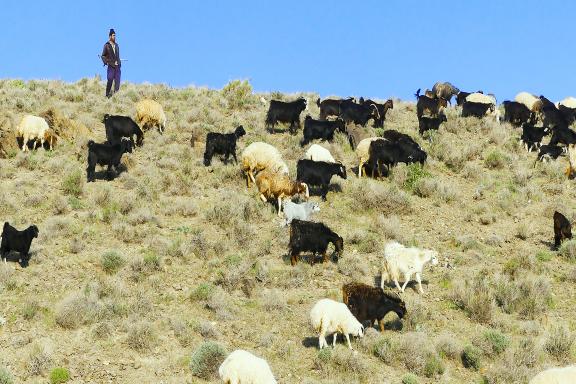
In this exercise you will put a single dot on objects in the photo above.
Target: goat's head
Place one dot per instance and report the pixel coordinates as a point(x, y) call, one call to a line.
point(239, 132)
point(342, 171)
point(33, 231)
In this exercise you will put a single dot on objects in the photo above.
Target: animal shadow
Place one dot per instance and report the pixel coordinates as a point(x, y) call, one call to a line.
point(549, 244)
point(310, 342)
point(103, 174)
point(13, 256)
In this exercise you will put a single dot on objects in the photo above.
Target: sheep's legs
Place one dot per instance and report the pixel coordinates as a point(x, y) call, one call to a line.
point(334, 339)
point(406, 280)
point(279, 206)
point(419, 283)
point(262, 197)
point(348, 340)
point(397, 285)
point(360, 169)
point(381, 324)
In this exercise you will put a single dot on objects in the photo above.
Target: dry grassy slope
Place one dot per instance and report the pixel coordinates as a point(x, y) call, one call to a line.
point(178, 224)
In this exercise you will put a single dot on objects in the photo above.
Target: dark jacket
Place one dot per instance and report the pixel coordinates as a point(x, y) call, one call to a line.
point(108, 56)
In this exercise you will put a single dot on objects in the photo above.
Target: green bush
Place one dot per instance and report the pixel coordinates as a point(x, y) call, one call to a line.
point(202, 292)
point(415, 173)
point(73, 183)
point(434, 366)
point(206, 359)
point(238, 93)
point(111, 262)
point(497, 341)
point(59, 375)
point(471, 357)
point(384, 350)
point(6, 377)
point(495, 160)
point(568, 250)
point(409, 378)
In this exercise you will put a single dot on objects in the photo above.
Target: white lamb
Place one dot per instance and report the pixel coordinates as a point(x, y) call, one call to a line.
point(301, 211)
point(149, 113)
point(399, 259)
point(319, 153)
point(329, 316)
point(560, 375)
point(259, 156)
point(242, 367)
point(363, 153)
point(31, 128)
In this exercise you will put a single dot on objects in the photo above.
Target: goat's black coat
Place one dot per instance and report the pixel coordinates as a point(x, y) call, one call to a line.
point(430, 104)
point(517, 113)
point(562, 229)
point(222, 144)
point(330, 107)
point(18, 241)
point(430, 123)
point(382, 110)
point(118, 127)
point(307, 236)
point(285, 112)
point(371, 304)
point(549, 151)
point(318, 173)
point(479, 110)
point(105, 154)
point(562, 135)
point(321, 129)
point(532, 136)
point(552, 116)
point(389, 153)
point(461, 96)
point(358, 113)
point(569, 114)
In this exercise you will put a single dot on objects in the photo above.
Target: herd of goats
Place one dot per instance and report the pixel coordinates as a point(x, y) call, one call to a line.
point(263, 165)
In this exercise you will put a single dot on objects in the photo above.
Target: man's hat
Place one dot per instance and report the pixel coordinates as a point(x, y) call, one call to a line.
point(111, 32)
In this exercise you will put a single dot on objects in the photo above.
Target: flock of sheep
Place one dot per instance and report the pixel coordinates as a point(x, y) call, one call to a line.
point(263, 165)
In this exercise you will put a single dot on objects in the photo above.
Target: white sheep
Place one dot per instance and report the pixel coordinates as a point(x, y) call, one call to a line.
point(532, 102)
point(317, 152)
point(477, 97)
point(150, 113)
point(242, 367)
point(569, 102)
point(31, 128)
point(259, 156)
point(399, 259)
point(329, 316)
point(559, 375)
point(363, 153)
point(301, 211)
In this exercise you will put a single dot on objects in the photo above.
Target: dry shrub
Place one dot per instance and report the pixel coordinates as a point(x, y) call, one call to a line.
point(64, 127)
point(529, 295)
point(38, 361)
point(370, 194)
point(207, 330)
point(218, 302)
point(60, 205)
point(353, 265)
point(568, 250)
point(418, 357)
point(416, 315)
point(345, 360)
point(390, 227)
point(559, 343)
point(206, 359)
point(475, 298)
point(448, 346)
point(141, 336)
point(273, 300)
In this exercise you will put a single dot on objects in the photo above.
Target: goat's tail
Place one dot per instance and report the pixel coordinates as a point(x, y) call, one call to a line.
point(5, 227)
point(417, 94)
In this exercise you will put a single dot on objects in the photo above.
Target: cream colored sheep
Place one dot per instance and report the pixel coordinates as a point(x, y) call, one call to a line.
point(569, 102)
point(31, 128)
point(559, 375)
point(317, 152)
point(532, 102)
point(278, 186)
point(242, 367)
point(259, 156)
point(328, 316)
point(363, 153)
point(477, 97)
point(150, 113)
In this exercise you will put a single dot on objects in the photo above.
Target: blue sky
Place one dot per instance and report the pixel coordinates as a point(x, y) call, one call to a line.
point(367, 48)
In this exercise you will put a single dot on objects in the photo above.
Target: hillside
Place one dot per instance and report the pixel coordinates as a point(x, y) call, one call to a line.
point(129, 277)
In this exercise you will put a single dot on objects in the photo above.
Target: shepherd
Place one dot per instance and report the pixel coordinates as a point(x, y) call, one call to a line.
point(111, 57)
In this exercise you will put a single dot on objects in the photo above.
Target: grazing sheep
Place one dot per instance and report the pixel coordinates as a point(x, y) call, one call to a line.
point(569, 102)
point(301, 211)
point(17, 241)
point(371, 304)
point(363, 153)
point(259, 156)
point(278, 186)
point(478, 97)
point(242, 367)
point(306, 236)
point(558, 375)
point(31, 128)
point(533, 103)
point(399, 259)
point(461, 97)
point(222, 144)
point(105, 154)
point(445, 90)
point(328, 316)
point(150, 113)
point(317, 152)
point(562, 229)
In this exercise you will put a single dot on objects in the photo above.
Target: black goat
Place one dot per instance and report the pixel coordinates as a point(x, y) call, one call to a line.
point(371, 304)
point(358, 113)
point(321, 129)
point(470, 108)
point(222, 144)
point(430, 123)
point(562, 135)
point(549, 152)
point(562, 229)
point(307, 236)
point(285, 112)
point(429, 105)
point(532, 136)
point(105, 154)
point(118, 127)
point(17, 241)
point(318, 173)
point(382, 110)
point(517, 113)
point(330, 107)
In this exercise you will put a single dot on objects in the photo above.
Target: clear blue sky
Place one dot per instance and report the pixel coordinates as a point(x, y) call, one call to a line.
point(365, 48)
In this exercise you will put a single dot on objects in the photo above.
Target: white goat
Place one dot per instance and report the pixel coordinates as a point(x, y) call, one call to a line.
point(399, 259)
point(560, 375)
point(301, 211)
point(31, 128)
point(329, 316)
point(242, 367)
point(319, 153)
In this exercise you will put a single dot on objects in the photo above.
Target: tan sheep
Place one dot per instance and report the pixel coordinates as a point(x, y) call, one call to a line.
point(363, 153)
point(259, 156)
point(277, 186)
point(150, 113)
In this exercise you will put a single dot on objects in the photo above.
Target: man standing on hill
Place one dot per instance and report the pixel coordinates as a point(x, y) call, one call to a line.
point(111, 58)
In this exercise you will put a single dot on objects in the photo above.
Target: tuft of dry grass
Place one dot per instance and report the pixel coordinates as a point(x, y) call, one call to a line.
point(559, 343)
point(141, 336)
point(38, 361)
point(475, 298)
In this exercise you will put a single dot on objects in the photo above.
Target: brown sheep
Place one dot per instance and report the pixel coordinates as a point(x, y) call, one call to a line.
point(277, 186)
